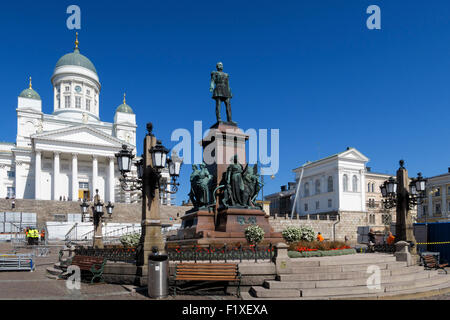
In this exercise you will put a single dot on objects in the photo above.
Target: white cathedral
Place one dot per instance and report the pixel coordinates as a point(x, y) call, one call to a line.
point(70, 153)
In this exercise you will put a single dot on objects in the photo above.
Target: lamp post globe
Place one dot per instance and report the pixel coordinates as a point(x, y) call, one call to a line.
point(84, 207)
point(383, 190)
point(176, 163)
point(109, 208)
point(391, 186)
point(412, 188)
point(124, 158)
point(420, 183)
point(159, 156)
point(140, 168)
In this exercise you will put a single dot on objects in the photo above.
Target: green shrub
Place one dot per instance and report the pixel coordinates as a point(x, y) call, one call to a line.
point(130, 240)
point(292, 234)
point(254, 234)
point(307, 233)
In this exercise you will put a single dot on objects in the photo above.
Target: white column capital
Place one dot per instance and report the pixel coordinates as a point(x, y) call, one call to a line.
point(94, 157)
point(38, 152)
point(74, 155)
point(56, 153)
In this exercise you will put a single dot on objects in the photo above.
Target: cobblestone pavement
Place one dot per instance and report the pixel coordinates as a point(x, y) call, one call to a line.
point(35, 285)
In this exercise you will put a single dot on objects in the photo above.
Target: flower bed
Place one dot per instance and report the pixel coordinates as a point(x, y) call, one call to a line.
point(305, 249)
point(320, 253)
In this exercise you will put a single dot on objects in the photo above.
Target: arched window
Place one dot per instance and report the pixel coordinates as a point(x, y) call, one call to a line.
point(355, 184)
point(368, 187)
point(330, 184)
point(373, 187)
point(345, 182)
point(317, 189)
point(306, 190)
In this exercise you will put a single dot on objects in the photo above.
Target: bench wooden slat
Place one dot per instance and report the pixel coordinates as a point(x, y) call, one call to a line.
point(226, 272)
point(431, 262)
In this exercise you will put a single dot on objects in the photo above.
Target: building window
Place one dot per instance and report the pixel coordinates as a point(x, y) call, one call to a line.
point(368, 187)
point(373, 187)
point(67, 101)
point(371, 219)
point(330, 203)
point(355, 184)
point(59, 102)
point(306, 207)
point(330, 184)
point(67, 89)
point(11, 192)
point(317, 205)
point(11, 174)
point(345, 182)
point(88, 105)
point(437, 209)
point(78, 102)
point(84, 185)
point(317, 186)
point(438, 192)
point(306, 190)
point(424, 211)
point(88, 92)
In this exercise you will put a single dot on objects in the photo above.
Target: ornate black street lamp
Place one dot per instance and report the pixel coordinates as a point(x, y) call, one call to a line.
point(152, 183)
point(416, 192)
point(109, 208)
point(403, 195)
point(160, 162)
point(96, 217)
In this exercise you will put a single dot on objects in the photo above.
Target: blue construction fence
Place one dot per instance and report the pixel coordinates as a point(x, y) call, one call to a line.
point(432, 233)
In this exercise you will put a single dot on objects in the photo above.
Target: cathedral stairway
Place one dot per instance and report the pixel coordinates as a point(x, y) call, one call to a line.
point(345, 277)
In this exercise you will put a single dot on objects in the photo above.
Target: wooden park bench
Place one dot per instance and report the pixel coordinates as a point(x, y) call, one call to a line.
point(430, 262)
point(93, 264)
point(227, 272)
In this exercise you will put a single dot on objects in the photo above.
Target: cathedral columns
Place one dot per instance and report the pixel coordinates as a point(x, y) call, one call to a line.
point(37, 175)
point(56, 194)
point(75, 186)
point(94, 175)
point(111, 179)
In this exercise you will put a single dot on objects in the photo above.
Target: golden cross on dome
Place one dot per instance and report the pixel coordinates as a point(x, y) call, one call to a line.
point(76, 40)
point(30, 84)
point(124, 98)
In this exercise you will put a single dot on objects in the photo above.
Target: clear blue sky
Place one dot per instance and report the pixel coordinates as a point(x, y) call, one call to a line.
point(309, 68)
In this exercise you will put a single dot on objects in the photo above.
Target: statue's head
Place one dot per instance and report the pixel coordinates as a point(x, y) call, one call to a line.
point(202, 165)
point(234, 159)
point(219, 66)
point(194, 167)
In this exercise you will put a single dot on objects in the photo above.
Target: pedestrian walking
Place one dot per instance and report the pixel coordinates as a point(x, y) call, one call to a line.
point(371, 236)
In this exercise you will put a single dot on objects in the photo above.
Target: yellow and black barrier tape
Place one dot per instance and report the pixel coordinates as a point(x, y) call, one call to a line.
point(445, 242)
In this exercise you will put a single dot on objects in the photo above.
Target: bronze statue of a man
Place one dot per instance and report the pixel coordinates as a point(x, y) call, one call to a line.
point(220, 88)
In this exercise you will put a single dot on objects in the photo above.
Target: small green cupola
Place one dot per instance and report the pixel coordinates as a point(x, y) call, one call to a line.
point(124, 107)
point(30, 93)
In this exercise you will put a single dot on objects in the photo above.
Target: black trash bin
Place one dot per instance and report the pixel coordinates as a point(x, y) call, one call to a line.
point(158, 274)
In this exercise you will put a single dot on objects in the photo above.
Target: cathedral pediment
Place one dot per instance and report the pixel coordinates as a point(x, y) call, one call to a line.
point(353, 154)
point(82, 134)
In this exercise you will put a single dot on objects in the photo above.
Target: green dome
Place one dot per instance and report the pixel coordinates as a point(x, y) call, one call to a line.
point(30, 94)
point(124, 108)
point(76, 59)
